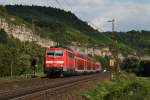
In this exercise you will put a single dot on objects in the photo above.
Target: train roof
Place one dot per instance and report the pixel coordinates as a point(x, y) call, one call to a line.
point(60, 47)
point(77, 53)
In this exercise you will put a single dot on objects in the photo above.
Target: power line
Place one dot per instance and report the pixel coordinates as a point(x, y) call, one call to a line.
point(69, 6)
point(54, 3)
point(98, 28)
point(51, 4)
point(59, 4)
point(66, 3)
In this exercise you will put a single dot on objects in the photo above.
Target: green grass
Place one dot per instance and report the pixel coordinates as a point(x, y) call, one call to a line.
point(135, 88)
point(28, 76)
point(40, 74)
point(9, 78)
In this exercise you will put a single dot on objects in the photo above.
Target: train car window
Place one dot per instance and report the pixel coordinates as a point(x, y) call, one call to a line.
point(59, 53)
point(50, 52)
point(55, 52)
point(70, 55)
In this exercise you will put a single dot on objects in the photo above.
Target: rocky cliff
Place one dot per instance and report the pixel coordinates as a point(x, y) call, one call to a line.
point(23, 33)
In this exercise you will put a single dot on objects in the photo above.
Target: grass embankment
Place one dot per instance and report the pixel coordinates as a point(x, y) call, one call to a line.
point(134, 88)
point(24, 76)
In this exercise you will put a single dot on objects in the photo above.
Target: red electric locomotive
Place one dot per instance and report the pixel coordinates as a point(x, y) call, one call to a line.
point(61, 61)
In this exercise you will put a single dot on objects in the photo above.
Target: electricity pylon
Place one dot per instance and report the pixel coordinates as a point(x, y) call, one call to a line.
point(113, 24)
point(116, 67)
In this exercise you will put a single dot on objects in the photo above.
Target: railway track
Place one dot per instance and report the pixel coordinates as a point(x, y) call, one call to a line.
point(51, 89)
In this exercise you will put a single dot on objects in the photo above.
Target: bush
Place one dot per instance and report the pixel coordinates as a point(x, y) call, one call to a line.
point(131, 65)
point(16, 56)
point(134, 65)
point(135, 89)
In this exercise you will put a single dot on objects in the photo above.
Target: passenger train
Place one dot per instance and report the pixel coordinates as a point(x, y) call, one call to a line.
point(59, 61)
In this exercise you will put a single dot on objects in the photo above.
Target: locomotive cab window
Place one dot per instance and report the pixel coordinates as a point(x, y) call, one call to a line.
point(50, 52)
point(55, 52)
point(59, 53)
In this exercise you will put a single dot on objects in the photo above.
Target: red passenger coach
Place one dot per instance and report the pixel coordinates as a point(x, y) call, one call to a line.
point(62, 61)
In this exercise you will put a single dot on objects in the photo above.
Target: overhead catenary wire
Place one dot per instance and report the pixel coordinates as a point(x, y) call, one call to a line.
point(68, 4)
point(96, 27)
point(50, 3)
point(70, 8)
point(59, 4)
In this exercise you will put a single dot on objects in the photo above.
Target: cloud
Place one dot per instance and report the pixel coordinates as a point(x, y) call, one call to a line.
point(128, 17)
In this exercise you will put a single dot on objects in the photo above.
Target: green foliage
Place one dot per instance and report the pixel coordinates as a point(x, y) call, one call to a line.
point(17, 55)
point(134, 65)
point(138, 40)
point(104, 61)
point(133, 89)
point(131, 65)
point(125, 49)
point(2, 11)
point(3, 60)
point(144, 68)
point(3, 37)
point(24, 63)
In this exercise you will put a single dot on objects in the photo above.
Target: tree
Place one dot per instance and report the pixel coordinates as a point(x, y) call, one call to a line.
point(144, 68)
point(105, 62)
point(3, 37)
point(24, 63)
point(131, 65)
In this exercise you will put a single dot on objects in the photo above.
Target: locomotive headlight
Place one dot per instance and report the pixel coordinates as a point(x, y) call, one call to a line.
point(49, 62)
point(60, 62)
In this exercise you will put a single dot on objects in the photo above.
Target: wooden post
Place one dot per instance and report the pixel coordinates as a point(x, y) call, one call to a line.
point(11, 69)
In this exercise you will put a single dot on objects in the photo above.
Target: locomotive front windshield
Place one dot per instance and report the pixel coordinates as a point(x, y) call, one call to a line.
point(55, 52)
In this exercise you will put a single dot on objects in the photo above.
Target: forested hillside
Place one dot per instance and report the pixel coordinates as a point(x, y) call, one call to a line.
point(139, 40)
point(59, 25)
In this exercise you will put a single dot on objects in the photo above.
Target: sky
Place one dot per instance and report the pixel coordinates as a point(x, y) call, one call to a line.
point(128, 14)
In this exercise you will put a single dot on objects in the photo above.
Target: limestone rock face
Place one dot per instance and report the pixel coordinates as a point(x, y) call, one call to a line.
point(105, 51)
point(23, 33)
